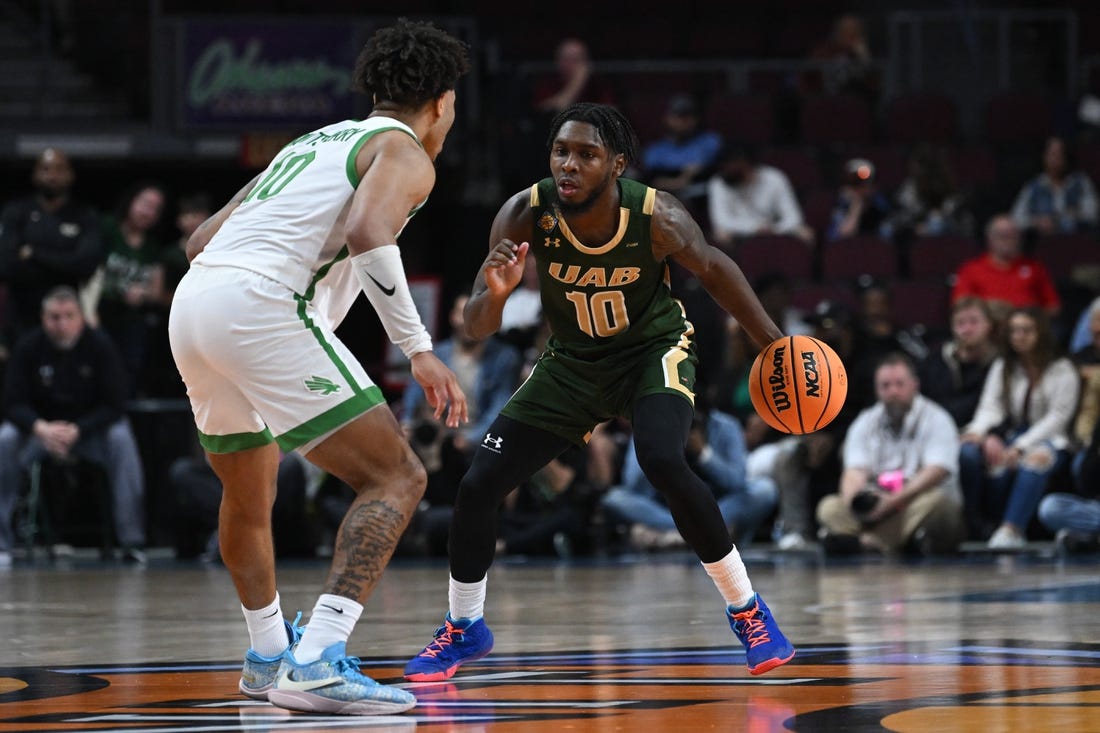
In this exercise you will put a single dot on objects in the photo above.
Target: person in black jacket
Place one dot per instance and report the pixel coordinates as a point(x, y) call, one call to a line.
point(64, 396)
point(954, 375)
point(46, 239)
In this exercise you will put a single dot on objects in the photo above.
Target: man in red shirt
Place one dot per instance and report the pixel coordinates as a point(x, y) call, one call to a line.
point(1004, 274)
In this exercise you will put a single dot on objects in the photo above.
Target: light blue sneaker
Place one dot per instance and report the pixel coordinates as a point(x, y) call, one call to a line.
point(334, 685)
point(258, 673)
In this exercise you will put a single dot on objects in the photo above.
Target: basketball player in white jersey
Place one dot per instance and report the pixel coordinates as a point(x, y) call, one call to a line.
point(252, 329)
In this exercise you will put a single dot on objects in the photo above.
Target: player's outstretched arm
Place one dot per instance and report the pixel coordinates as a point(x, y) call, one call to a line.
point(202, 235)
point(502, 269)
point(677, 235)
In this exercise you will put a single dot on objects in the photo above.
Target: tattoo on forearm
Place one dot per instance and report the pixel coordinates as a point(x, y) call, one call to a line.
point(367, 538)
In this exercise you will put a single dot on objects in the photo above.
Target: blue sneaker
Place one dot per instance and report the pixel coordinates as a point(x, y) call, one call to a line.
point(456, 642)
point(765, 646)
point(258, 674)
point(334, 685)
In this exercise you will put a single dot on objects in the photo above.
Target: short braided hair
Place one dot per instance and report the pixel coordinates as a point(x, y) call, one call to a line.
point(612, 127)
point(410, 63)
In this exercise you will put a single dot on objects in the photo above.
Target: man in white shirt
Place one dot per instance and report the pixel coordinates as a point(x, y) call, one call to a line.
point(900, 485)
point(746, 199)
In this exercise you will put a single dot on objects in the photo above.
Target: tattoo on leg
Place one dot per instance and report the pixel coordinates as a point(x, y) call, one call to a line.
point(367, 538)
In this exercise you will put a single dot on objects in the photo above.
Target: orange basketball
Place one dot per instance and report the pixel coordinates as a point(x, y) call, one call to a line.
point(798, 384)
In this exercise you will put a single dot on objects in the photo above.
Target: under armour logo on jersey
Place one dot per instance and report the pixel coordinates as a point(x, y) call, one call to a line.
point(631, 244)
point(492, 443)
point(556, 241)
point(321, 384)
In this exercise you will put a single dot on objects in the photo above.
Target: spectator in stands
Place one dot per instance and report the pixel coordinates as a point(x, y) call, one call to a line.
point(954, 375)
point(1083, 329)
point(746, 198)
point(64, 398)
point(681, 162)
point(716, 451)
point(1004, 275)
point(196, 495)
point(861, 208)
point(1019, 436)
point(575, 80)
point(128, 298)
point(928, 202)
point(1060, 199)
point(846, 63)
point(46, 239)
point(900, 487)
point(879, 335)
point(1087, 358)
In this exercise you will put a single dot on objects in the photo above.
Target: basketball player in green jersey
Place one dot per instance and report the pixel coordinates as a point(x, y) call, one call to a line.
point(621, 345)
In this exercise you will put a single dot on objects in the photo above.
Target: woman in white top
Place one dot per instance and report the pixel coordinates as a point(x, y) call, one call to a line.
point(1019, 435)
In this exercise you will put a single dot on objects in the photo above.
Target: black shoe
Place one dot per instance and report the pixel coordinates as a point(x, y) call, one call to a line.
point(838, 545)
point(1072, 542)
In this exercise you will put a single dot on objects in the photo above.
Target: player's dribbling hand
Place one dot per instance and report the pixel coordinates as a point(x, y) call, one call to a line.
point(504, 266)
point(440, 388)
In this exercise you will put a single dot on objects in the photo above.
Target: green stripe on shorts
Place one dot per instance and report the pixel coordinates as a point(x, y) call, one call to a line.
point(331, 419)
point(235, 441)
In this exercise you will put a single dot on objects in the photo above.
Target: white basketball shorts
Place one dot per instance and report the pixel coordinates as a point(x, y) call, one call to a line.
point(259, 365)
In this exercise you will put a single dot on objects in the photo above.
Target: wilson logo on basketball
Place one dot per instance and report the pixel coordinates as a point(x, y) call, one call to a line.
point(778, 380)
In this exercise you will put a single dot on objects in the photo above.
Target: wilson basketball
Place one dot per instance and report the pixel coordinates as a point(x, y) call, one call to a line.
point(798, 384)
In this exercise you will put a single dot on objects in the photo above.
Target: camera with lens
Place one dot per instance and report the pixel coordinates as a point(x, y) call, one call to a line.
point(865, 502)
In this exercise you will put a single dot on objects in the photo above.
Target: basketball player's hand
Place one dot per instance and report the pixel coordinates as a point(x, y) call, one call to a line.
point(440, 388)
point(504, 267)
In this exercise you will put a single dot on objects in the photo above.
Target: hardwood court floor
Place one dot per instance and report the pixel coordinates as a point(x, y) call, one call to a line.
point(986, 644)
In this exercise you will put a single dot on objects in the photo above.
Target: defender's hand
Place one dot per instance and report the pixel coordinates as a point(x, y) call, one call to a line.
point(440, 388)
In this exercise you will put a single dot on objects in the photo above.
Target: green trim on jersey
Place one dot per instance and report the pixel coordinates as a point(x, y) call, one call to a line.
point(604, 298)
point(353, 174)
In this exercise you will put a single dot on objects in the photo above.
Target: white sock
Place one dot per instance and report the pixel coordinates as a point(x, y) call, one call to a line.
point(731, 578)
point(332, 620)
point(467, 600)
point(266, 630)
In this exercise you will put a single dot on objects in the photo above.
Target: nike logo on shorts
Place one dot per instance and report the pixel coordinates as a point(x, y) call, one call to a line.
point(285, 683)
point(333, 608)
point(385, 291)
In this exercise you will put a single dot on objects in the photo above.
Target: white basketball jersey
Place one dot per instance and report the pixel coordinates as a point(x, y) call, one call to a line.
point(290, 227)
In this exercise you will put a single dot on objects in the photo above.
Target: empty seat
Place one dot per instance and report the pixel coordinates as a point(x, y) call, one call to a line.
point(922, 303)
point(745, 118)
point(775, 253)
point(922, 117)
point(835, 118)
point(1018, 117)
point(939, 256)
point(799, 164)
point(806, 295)
point(1061, 253)
point(851, 257)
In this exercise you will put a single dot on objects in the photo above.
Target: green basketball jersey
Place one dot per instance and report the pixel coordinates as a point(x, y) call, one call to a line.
point(602, 299)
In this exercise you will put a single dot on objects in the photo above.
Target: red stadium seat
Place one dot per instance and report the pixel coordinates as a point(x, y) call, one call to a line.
point(922, 302)
point(1018, 117)
point(835, 118)
point(940, 255)
point(799, 164)
point(922, 117)
point(743, 118)
point(1061, 253)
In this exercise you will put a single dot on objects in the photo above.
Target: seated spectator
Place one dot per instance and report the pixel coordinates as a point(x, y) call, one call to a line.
point(196, 495)
point(1019, 436)
point(716, 452)
point(681, 162)
point(928, 201)
point(861, 208)
point(846, 63)
point(1082, 337)
point(899, 489)
point(954, 375)
point(745, 199)
point(1004, 275)
point(878, 334)
point(1074, 517)
point(575, 80)
point(1087, 358)
point(64, 398)
point(1060, 199)
point(46, 239)
point(126, 300)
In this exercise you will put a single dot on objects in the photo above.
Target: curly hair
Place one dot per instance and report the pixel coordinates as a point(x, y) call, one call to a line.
point(410, 63)
point(612, 127)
